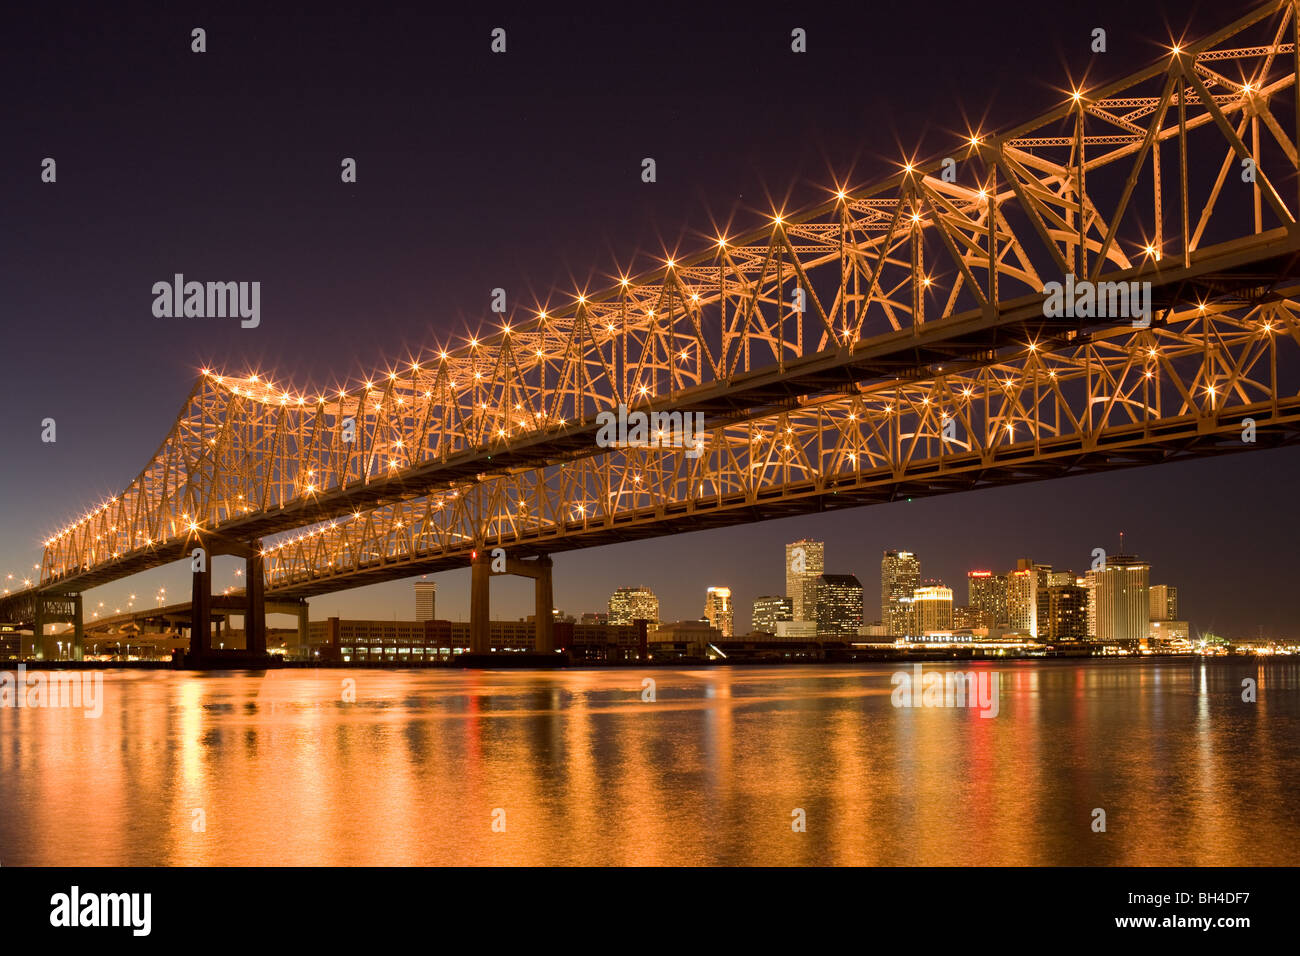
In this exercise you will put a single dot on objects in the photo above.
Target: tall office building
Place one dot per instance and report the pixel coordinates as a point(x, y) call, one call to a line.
point(719, 612)
point(1090, 584)
point(900, 576)
point(932, 609)
point(1164, 602)
point(805, 560)
point(1123, 599)
point(426, 593)
point(633, 604)
point(1021, 600)
point(1026, 595)
point(1066, 613)
point(839, 604)
point(769, 610)
point(987, 592)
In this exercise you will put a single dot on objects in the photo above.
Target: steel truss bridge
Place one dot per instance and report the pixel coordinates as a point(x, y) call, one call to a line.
point(894, 340)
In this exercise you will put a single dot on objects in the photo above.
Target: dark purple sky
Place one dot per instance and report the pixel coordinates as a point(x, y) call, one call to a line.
point(521, 171)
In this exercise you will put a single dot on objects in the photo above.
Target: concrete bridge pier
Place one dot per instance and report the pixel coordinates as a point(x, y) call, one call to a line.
point(480, 604)
point(544, 605)
point(255, 617)
point(201, 613)
point(57, 609)
point(254, 601)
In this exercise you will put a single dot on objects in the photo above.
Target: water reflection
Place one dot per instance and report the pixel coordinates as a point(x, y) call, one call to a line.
point(288, 768)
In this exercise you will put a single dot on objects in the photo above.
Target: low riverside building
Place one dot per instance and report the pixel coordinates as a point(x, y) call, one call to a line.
point(683, 639)
point(417, 642)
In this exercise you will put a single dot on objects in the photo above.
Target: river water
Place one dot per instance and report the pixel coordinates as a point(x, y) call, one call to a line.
point(721, 767)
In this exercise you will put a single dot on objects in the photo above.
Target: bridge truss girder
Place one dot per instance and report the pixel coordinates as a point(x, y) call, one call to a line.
point(1124, 397)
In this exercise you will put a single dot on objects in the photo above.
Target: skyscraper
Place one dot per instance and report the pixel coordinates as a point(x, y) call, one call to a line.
point(633, 604)
point(839, 604)
point(1021, 600)
point(932, 608)
point(1027, 596)
point(426, 593)
point(768, 611)
point(1066, 617)
point(805, 559)
point(718, 610)
point(1123, 599)
point(988, 592)
point(900, 575)
point(1089, 581)
point(1164, 602)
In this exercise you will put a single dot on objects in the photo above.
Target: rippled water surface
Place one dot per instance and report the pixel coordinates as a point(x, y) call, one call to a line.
point(286, 769)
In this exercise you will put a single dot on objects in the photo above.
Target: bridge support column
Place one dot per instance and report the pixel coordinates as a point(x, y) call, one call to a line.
point(78, 630)
point(480, 604)
point(304, 620)
point(201, 614)
point(38, 628)
point(255, 617)
point(544, 603)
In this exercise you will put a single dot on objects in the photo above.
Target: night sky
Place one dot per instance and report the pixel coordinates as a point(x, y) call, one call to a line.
point(522, 171)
